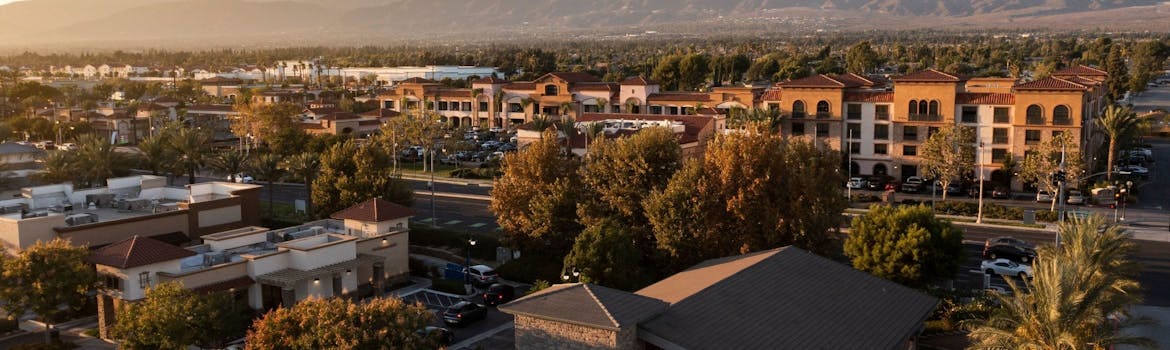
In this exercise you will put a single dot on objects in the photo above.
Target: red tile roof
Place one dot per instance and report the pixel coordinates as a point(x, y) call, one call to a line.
point(869, 96)
point(490, 80)
point(984, 98)
point(772, 95)
point(521, 85)
point(815, 81)
point(374, 210)
point(1083, 81)
point(572, 77)
point(381, 113)
point(137, 251)
point(1049, 83)
point(679, 96)
point(639, 81)
point(596, 87)
point(930, 76)
point(1081, 70)
point(854, 80)
point(417, 80)
point(453, 93)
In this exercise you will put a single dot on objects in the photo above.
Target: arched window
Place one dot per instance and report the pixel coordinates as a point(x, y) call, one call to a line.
point(798, 109)
point(933, 108)
point(913, 107)
point(1035, 115)
point(550, 90)
point(823, 109)
point(921, 107)
point(880, 169)
point(1060, 116)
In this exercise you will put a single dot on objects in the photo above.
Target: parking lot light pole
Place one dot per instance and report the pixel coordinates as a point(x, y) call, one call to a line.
point(434, 218)
point(467, 266)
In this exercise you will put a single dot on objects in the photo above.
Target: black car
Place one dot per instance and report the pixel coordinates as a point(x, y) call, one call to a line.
point(498, 294)
point(878, 182)
point(1023, 255)
point(441, 336)
point(464, 312)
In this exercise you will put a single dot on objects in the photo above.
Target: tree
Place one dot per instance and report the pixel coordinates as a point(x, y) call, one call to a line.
point(1079, 296)
point(266, 123)
point(44, 278)
point(861, 58)
point(230, 162)
point(350, 174)
point(693, 70)
point(304, 167)
point(904, 244)
point(948, 154)
point(155, 154)
point(192, 147)
point(1040, 163)
point(604, 253)
point(267, 168)
point(1117, 81)
point(1117, 123)
point(337, 323)
point(750, 191)
point(171, 317)
point(535, 200)
point(94, 161)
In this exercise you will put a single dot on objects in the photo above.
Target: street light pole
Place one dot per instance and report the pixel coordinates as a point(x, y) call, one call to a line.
point(432, 185)
point(849, 165)
point(979, 216)
point(467, 266)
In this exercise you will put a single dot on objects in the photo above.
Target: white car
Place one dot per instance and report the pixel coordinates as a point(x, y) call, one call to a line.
point(857, 183)
point(241, 178)
point(1043, 196)
point(1075, 197)
point(483, 275)
point(1006, 267)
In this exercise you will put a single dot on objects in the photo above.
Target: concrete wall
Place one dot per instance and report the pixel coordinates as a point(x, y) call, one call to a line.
point(218, 273)
point(102, 233)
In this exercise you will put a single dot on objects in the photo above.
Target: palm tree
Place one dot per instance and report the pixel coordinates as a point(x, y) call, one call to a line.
point(304, 167)
point(498, 101)
point(601, 103)
point(566, 108)
point(155, 154)
point(230, 162)
point(524, 103)
point(630, 104)
point(1118, 122)
point(267, 168)
point(96, 160)
point(1077, 299)
point(475, 94)
point(192, 146)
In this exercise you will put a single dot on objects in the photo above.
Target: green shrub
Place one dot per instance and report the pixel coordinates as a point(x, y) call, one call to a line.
point(448, 286)
point(1046, 216)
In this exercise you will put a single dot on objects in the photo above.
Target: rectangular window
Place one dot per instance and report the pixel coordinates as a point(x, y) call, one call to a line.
point(672, 110)
point(466, 106)
point(855, 147)
point(144, 280)
point(388, 104)
point(909, 150)
point(854, 131)
point(655, 109)
point(1001, 115)
point(822, 129)
point(442, 105)
point(881, 132)
point(999, 136)
point(910, 133)
point(483, 106)
point(853, 111)
point(515, 108)
point(1031, 137)
point(797, 129)
point(591, 109)
point(881, 148)
point(998, 155)
point(112, 282)
point(881, 112)
point(774, 106)
point(970, 114)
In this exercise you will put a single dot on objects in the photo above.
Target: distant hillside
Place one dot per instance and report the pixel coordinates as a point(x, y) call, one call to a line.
point(202, 22)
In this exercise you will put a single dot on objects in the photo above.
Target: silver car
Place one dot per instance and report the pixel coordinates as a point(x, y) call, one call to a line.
point(1075, 197)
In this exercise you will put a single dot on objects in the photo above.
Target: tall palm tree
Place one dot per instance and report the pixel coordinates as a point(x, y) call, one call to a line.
point(155, 154)
point(230, 162)
point(1118, 122)
point(524, 103)
point(566, 108)
point(475, 95)
point(192, 147)
point(1077, 299)
point(267, 168)
point(304, 167)
point(96, 160)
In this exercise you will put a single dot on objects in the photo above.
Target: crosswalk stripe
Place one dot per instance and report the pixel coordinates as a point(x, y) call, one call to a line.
point(453, 222)
point(477, 225)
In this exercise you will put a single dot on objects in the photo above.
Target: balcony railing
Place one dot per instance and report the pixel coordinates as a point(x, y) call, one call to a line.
point(925, 118)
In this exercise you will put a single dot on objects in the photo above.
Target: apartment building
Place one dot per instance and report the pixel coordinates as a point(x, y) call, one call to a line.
point(358, 251)
point(128, 206)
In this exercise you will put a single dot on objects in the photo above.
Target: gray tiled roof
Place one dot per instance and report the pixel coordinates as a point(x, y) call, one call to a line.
point(16, 148)
point(785, 298)
point(587, 305)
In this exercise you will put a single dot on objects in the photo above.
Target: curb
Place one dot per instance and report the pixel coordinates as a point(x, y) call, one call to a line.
point(455, 195)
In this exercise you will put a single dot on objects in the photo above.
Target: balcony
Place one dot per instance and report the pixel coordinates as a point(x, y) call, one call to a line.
point(925, 118)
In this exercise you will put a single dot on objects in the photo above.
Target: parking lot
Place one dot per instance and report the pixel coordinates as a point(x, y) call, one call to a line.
point(438, 302)
point(970, 276)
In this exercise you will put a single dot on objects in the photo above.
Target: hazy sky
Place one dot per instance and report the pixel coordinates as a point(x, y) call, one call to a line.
point(4, 2)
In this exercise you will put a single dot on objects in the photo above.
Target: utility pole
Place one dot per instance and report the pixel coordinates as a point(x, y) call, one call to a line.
point(979, 215)
point(1060, 196)
point(849, 165)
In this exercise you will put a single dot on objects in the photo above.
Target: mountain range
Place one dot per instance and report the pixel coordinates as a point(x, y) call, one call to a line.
point(79, 22)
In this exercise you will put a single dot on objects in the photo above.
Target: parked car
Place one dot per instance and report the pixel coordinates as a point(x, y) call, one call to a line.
point(498, 294)
point(1135, 170)
point(1010, 252)
point(1075, 197)
point(241, 178)
point(1009, 240)
point(878, 182)
point(463, 313)
point(856, 183)
point(1043, 196)
point(68, 146)
point(442, 336)
point(496, 130)
point(483, 275)
point(1006, 267)
point(954, 189)
point(1001, 192)
point(913, 184)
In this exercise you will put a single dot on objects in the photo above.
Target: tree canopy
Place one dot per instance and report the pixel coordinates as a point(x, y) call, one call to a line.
point(171, 317)
point(44, 278)
point(905, 244)
point(948, 155)
point(336, 323)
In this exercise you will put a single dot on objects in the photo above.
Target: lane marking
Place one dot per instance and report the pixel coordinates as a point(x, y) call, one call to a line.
point(452, 222)
point(477, 225)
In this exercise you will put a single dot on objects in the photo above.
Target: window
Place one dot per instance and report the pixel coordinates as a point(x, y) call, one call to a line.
point(970, 114)
point(797, 129)
point(550, 90)
point(442, 105)
point(798, 110)
point(854, 131)
point(483, 106)
point(855, 148)
point(388, 104)
point(998, 155)
point(774, 106)
point(822, 129)
point(881, 132)
point(1060, 116)
point(910, 133)
point(672, 110)
point(655, 109)
point(144, 280)
point(853, 111)
point(933, 108)
point(881, 112)
point(1001, 115)
point(515, 108)
point(881, 148)
point(999, 136)
point(1035, 115)
point(466, 106)
point(591, 109)
point(112, 282)
point(823, 109)
point(913, 107)
point(688, 110)
point(1031, 137)
point(909, 150)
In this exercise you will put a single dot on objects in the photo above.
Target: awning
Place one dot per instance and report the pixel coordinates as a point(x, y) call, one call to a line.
point(235, 283)
point(288, 278)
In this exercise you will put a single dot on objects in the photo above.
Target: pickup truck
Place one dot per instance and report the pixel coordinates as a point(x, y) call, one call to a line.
point(913, 184)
